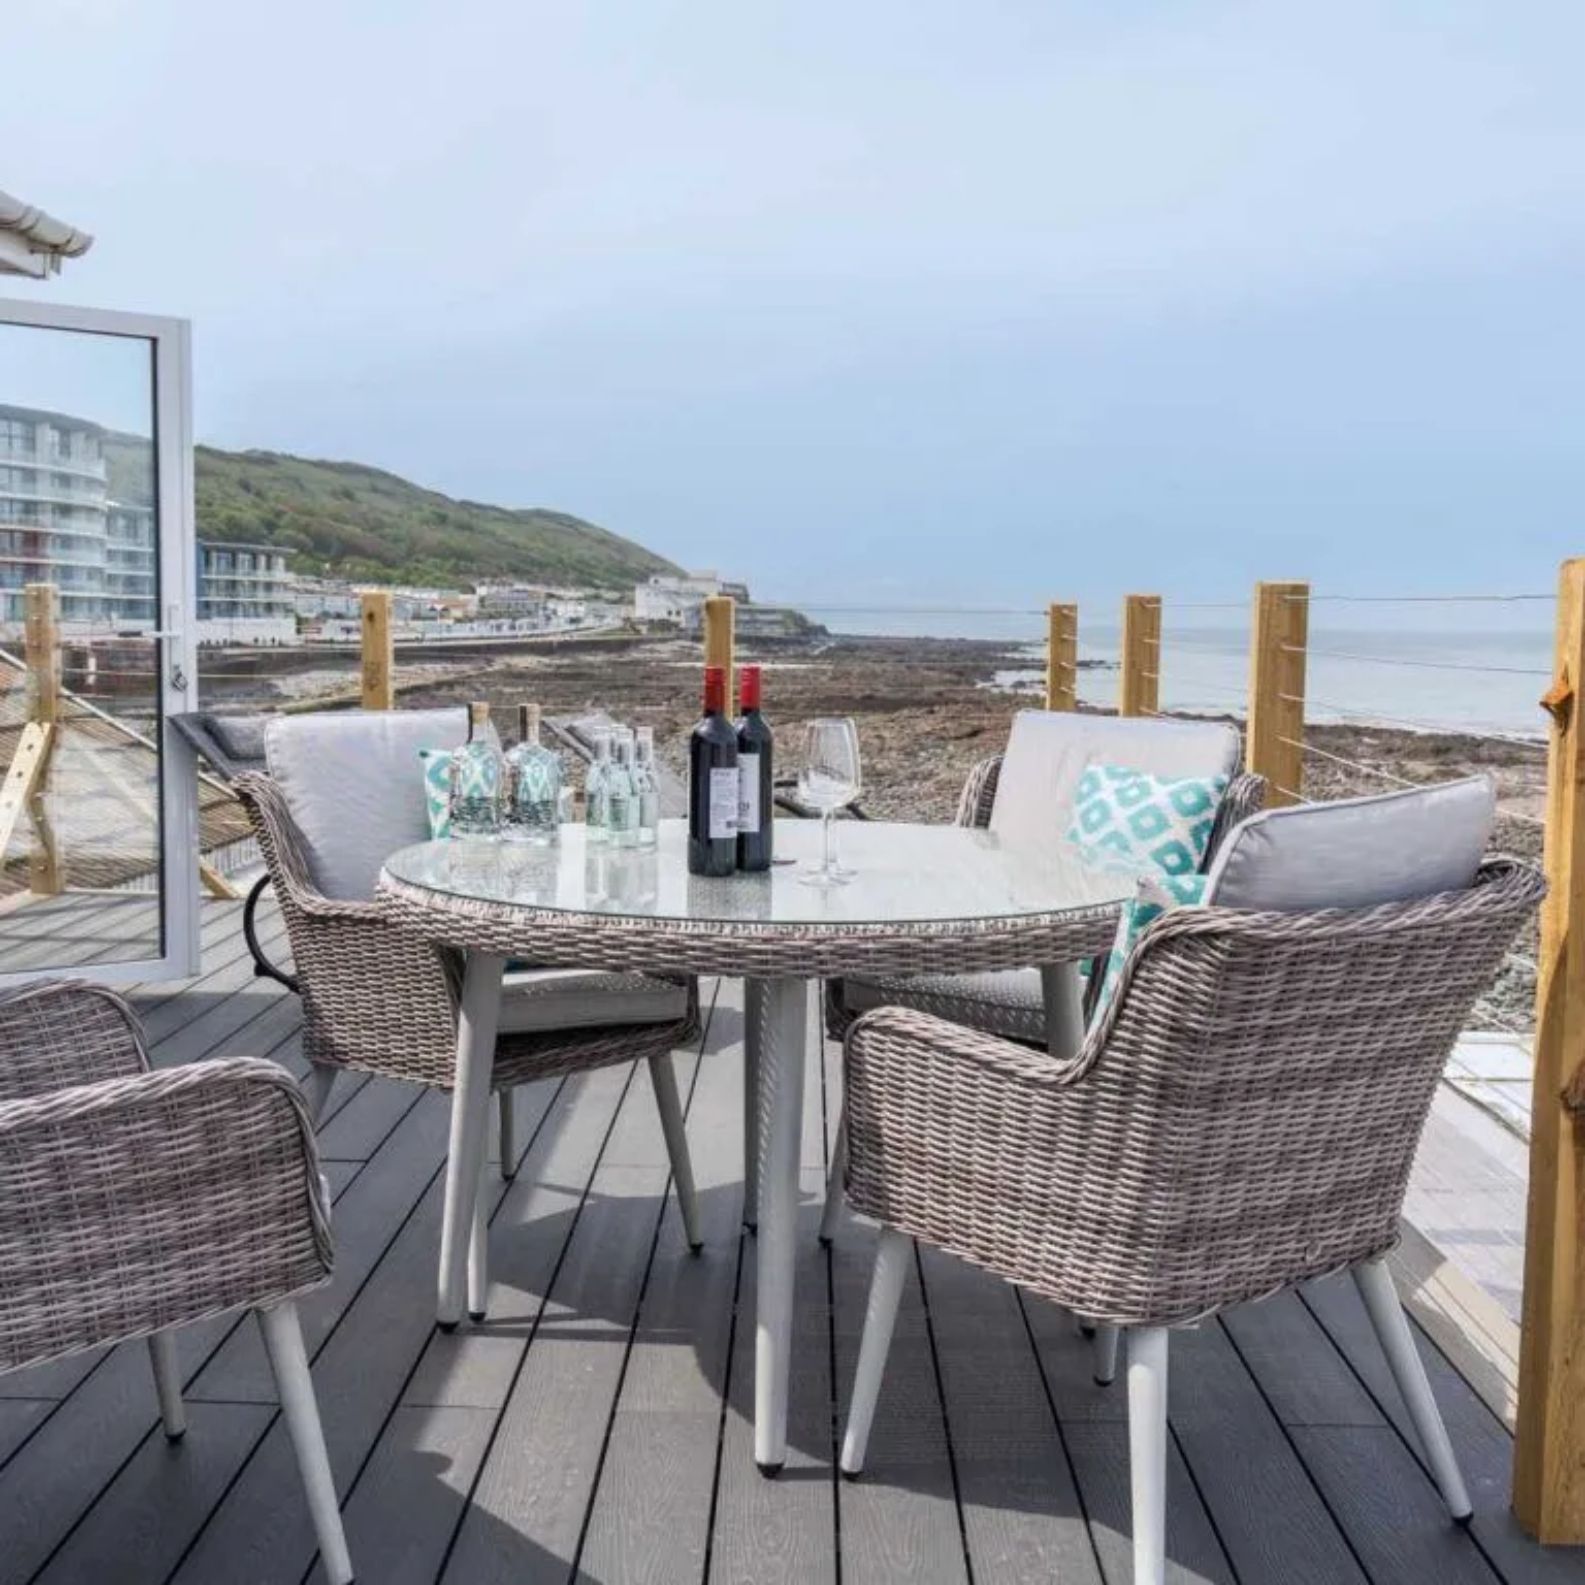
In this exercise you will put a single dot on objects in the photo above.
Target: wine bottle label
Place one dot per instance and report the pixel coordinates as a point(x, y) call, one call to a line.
point(723, 803)
point(747, 794)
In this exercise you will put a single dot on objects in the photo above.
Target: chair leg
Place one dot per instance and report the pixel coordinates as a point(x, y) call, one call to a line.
point(831, 1217)
point(1104, 1347)
point(479, 1250)
point(1147, 1451)
point(1408, 1370)
point(663, 1076)
point(168, 1384)
point(283, 1341)
point(318, 1082)
point(507, 1132)
point(886, 1290)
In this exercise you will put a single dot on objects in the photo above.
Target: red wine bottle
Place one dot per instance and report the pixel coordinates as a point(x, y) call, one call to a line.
point(712, 784)
point(755, 828)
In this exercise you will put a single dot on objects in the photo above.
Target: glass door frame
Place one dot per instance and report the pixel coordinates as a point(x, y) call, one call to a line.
point(176, 633)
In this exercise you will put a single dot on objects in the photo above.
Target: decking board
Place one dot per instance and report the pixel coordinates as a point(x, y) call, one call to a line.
point(603, 1414)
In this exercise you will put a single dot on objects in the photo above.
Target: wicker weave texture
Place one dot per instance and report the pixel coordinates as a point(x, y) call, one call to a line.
point(1242, 1118)
point(56, 1033)
point(754, 951)
point(381, 997)
point(134, 1203)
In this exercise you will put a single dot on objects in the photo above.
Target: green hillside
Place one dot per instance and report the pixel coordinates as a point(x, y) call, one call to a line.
point(347, 520)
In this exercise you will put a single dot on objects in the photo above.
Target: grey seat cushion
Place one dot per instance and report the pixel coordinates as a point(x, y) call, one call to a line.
point(1356, 852)
point(353, 783)
point(534, 999)
point(1048, 750)
point(1008, 1002)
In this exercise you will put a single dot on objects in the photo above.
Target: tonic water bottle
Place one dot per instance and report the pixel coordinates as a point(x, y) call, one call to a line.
point(533, 785)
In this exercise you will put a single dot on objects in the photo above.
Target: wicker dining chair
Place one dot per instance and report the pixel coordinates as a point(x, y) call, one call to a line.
point(134, 1202)
point(380, 1000)
point(1007, 1002)
point(1011, 1002)
point(1241, 1118)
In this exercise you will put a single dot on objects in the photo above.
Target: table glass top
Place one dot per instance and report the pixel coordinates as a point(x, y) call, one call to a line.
point(903, 874)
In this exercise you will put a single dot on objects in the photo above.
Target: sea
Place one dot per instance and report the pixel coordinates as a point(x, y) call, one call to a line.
point(1422, 678)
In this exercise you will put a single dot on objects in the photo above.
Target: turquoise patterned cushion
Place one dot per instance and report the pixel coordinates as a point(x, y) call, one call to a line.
point(1156, 824)
point(437, 789)
point(1154, 897)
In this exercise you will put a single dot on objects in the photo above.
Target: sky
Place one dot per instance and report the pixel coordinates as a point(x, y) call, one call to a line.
point(904, 302)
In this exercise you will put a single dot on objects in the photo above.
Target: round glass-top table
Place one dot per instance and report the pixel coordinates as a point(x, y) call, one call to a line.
point(923, 899)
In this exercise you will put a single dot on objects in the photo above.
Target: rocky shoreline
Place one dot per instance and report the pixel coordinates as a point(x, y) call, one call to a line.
point(927, 709)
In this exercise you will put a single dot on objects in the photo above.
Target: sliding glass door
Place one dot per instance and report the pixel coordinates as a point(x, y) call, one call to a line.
point(98, 836)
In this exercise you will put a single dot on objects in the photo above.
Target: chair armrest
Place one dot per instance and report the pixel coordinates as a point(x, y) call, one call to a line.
point(139, 1203)
point(59, 1032)
point(978, 797)
point(1245, 796)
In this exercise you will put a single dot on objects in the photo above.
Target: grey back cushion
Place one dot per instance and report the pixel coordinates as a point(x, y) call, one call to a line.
point(1356, 852)
point(353, 782)
point(1048, 750)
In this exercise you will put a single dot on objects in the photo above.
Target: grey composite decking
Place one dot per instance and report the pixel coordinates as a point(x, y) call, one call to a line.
point(597, 1427)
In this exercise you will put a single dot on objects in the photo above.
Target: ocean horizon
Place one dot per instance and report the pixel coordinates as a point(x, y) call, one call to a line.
point(1459, 681)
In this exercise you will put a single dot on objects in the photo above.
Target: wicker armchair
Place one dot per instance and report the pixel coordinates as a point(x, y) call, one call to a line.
point(378, 999)
point(1243, 1117)
point(1008, 1004)
point(133, 1202)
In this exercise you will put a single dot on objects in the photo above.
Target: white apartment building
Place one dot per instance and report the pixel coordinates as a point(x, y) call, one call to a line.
point(664, 597)
point(244, 595)
point(58, 524)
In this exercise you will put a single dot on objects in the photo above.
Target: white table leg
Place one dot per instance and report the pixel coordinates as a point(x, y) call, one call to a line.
point(470, 1117)
point(1063, 986)
point(777, 1037)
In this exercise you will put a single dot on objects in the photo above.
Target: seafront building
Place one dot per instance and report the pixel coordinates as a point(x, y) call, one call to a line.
point(677, 601)
point(62, 521)
point(244, 595)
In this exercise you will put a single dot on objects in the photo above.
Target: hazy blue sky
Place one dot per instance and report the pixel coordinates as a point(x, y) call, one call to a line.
point(985, 301)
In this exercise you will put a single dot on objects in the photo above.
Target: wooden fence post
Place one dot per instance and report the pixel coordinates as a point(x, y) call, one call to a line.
point(1549, 1437)
point(719, 614)
point(1274, 733)
point(1141, 685)
point(42, 650)
point(1062, 657)
point(379, 651)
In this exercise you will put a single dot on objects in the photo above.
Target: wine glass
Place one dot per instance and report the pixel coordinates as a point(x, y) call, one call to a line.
point(829, 780)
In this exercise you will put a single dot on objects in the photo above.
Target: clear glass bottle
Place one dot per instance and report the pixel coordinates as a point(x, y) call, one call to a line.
point(533, 785)
point(477, 779)
point(597, 788)
point(622, 799)
point(648, 787)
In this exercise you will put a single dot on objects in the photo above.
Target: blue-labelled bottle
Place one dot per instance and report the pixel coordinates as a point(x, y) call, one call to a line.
point(477, 780)
point(533, 785)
